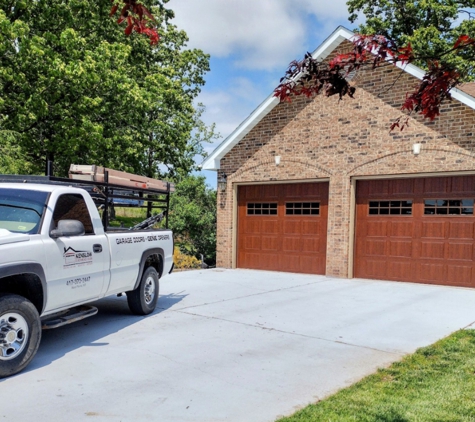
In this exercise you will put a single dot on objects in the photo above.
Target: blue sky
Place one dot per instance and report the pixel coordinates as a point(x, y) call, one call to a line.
point(251, 43)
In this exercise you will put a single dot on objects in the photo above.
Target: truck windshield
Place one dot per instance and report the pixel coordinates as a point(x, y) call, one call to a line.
point(21, 210)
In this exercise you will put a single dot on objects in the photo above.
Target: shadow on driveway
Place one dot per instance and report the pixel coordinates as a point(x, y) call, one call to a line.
point(113, 316)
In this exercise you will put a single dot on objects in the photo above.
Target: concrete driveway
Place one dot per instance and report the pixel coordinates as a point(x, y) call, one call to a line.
point(229, 345)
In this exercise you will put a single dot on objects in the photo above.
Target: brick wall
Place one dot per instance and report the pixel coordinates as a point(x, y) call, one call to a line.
point(327, 138)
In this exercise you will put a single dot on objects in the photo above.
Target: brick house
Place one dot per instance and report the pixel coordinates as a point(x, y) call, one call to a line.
point(321, 186)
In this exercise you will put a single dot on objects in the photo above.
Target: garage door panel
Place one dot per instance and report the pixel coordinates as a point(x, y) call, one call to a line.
point(315, 264)
point(293, 226)
point(253, 226)
point(397, 269)
point(269, 243)
point(401, 187)
point(461, 230)
point(402, 248)
point(461, 184)
point(375, 247)
point(313, 227)
point(312, 245)
point(292, 192)
point(433, 230)
point(259, 193)
point(375, 268)
point(269, 261)
point(435, 185)
point(432, 250)
point(291, 263)
point(379, 188)
point(260, 261)
point(460, 274)
point(460, 251)
point(252, 259)
point(401, 229)
point(288, 240)
point(269, 226)
point(253, 243)
point(376, 228)
point(304, 190)
point(434, 242)
point(432, 272)
point(291, 244)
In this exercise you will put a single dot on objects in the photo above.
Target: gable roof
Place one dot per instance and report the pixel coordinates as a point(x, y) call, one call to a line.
point(341, 34)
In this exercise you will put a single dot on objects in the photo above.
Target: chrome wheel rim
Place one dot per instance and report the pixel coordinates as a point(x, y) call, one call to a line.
point(13, 335)
point(149, 290)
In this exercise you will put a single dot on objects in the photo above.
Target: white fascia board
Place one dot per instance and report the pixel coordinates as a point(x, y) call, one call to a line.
point(463, 97)
point(212, 161)
point(332, 42)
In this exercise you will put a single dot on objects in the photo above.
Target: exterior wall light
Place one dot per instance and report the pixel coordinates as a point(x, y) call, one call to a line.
point(277, 160)
point(416, 149)
point(222, 182)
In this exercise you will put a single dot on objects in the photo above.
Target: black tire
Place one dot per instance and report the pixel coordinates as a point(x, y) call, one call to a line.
point(20, 333)
point(143, 300)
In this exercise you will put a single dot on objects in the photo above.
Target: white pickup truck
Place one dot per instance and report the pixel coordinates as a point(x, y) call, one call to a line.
point(56, 257)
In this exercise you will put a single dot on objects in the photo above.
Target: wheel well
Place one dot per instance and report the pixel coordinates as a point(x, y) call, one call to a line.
point(155, 261)
point(26, 285)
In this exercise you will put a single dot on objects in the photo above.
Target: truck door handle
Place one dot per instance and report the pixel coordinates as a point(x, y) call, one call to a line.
point(97, 248)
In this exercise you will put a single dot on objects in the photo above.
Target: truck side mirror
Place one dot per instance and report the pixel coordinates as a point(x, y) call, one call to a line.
point(68, 228)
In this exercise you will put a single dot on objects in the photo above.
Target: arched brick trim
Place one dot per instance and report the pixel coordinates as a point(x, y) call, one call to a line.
point(425, 150)
point(270, 164)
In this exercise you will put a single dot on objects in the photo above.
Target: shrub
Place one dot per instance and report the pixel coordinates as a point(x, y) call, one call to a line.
point(183, 261)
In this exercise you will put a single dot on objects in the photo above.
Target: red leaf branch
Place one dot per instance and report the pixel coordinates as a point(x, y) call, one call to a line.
point(309, 76)
point(138, 18)
point(432, 90)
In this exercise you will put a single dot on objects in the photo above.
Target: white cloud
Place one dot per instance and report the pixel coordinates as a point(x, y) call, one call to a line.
point(323, 10)
point(262, 34)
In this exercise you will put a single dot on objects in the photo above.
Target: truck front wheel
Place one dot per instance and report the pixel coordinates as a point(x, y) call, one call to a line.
point(20, 333)
point(143, 299)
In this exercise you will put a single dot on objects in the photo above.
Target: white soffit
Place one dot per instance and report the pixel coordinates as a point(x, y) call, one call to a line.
point(341, 34)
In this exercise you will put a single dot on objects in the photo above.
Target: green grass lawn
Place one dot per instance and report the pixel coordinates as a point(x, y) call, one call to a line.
point(437, 383)
point(128, 216)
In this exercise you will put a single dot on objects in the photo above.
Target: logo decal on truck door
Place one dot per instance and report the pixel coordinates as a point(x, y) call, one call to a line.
point(76, 258)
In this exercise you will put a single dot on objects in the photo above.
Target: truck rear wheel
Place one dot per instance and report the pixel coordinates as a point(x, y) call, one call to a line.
point(143, 299)
point(20, 333)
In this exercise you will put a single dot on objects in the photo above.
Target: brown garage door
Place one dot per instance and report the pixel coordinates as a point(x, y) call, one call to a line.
point(283, 227)
point(419, 230)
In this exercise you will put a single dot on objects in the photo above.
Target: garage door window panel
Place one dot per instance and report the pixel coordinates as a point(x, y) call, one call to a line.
point(302, 208)
point(448, 207)
point(393, 207)
point(262, 208)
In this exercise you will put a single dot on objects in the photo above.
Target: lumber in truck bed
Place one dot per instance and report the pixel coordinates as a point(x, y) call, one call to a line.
point(93, 173)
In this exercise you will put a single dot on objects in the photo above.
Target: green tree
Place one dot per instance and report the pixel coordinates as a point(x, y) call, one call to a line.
point(76, 89)
point(193, 218)
point(12, 159)
point(431, 27)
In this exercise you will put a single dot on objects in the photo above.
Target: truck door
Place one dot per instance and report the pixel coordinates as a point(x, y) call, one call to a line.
point(76, 264)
